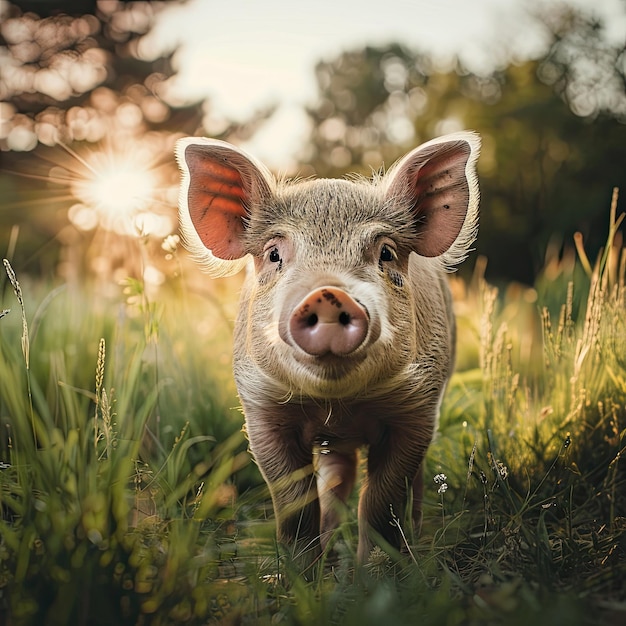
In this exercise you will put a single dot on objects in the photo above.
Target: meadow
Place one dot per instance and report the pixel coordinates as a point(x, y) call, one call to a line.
point(127, 495)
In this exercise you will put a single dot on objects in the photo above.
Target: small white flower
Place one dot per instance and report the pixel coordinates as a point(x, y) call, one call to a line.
point(170, 243)
point(440, 478)
point(442, 488)
point(503, 470)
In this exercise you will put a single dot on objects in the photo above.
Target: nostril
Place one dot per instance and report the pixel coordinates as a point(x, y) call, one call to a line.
point(312, 319)
point(344, 318)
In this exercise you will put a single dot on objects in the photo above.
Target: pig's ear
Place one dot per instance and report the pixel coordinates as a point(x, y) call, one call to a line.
point(220, 184)
point(437, 181)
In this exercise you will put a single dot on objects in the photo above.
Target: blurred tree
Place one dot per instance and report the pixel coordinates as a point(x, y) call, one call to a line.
point(368, 101)
point(76, 77)
point(88, 123)
point(554, 132)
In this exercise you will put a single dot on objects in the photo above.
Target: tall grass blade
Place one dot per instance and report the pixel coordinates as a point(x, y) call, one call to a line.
point(25, 340)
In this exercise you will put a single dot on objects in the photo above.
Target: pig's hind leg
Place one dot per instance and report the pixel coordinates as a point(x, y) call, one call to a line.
point(336, 473)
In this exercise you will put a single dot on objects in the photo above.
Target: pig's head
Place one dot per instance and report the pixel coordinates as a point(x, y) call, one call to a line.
point(346, 286)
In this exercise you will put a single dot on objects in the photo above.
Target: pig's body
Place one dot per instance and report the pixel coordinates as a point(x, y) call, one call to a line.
point(345, 332)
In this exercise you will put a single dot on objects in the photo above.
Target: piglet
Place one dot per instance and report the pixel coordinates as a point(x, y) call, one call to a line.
point(345, 335)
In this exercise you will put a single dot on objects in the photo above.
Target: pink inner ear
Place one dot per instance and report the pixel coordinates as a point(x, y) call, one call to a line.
point(440, 189)
point(216, 202)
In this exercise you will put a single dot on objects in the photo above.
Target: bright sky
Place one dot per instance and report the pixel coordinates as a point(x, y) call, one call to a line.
point(246, 54)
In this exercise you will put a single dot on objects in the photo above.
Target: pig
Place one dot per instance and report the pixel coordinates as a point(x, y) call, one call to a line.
point(345, 336)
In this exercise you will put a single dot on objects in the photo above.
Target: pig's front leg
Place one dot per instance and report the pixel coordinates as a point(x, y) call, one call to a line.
point(285, 461)
point(394, 468)
point(336, 474)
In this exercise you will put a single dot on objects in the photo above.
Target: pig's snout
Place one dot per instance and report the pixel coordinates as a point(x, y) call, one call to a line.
point(329, 321)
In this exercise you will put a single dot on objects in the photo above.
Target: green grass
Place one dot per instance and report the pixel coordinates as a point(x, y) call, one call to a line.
point(127, 495)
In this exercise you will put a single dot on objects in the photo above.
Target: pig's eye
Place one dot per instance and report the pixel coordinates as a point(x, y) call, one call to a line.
point(387, 254)
point(274, 256)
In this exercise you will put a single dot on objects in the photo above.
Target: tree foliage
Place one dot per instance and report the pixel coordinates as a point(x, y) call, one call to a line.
point(78, 77)
point(86, 93)
point(554, 132)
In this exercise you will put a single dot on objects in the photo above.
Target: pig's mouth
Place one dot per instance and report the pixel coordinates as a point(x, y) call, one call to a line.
point(330, 366)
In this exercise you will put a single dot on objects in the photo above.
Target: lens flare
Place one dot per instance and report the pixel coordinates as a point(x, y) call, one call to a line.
point(117, 188)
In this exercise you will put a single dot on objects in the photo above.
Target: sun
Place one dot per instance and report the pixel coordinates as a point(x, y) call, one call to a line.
point(120, 188)
point(116, 188)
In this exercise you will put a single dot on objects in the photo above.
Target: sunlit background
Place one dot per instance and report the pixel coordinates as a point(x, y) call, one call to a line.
point(93, 96)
